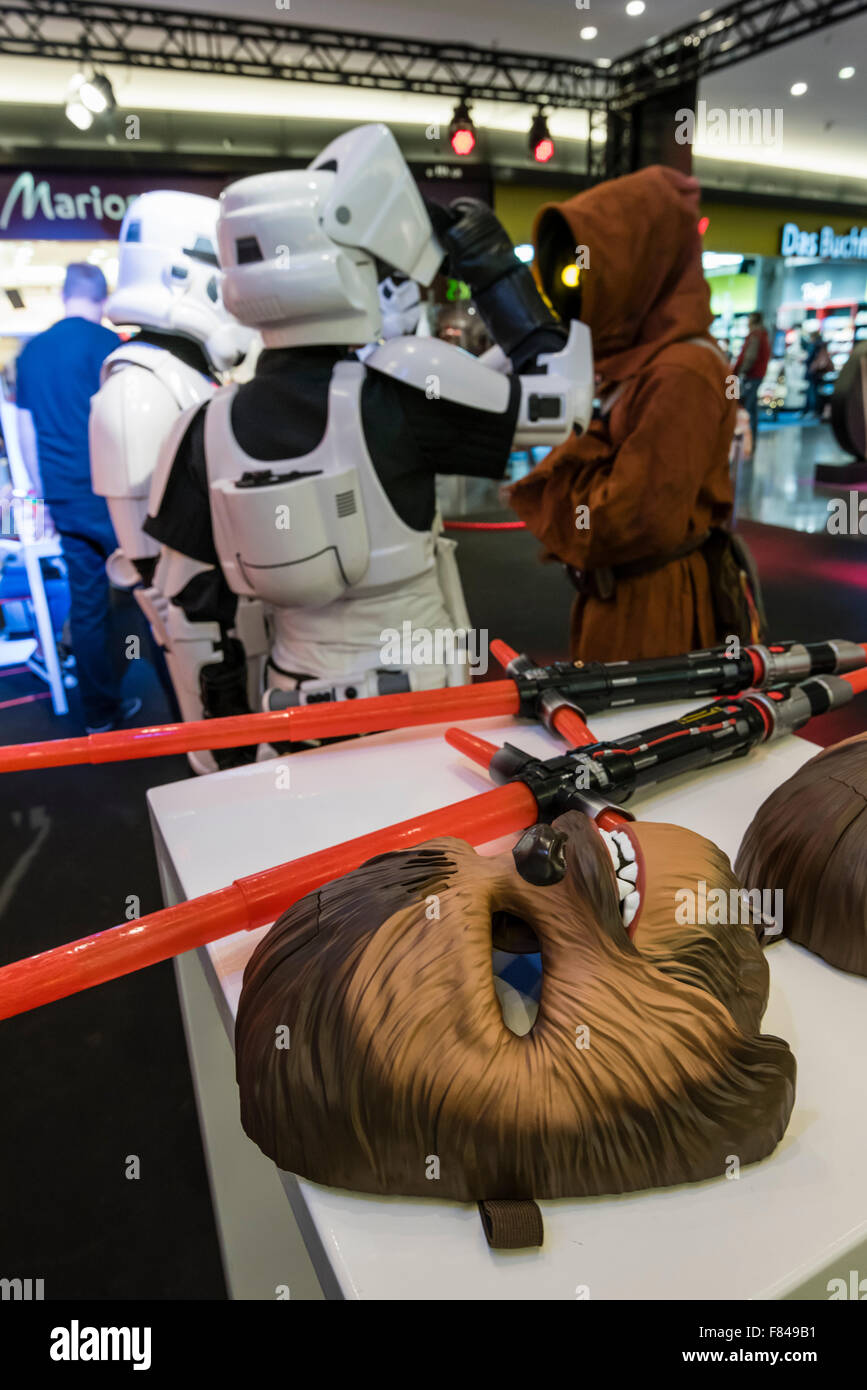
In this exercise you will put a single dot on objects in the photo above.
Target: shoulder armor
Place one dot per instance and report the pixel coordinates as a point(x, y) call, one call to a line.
point(186, 385)
point(443, 372)
point(130, 415)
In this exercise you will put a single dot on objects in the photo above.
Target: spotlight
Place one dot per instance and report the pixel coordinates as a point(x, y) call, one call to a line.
point(96, 94)
point(87, 98)
point(541, 144)
point(462, 132)
point(78, 114)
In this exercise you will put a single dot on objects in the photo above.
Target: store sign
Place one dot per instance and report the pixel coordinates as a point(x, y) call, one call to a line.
point(73, 207)
point(816, 294)
point(825, 244)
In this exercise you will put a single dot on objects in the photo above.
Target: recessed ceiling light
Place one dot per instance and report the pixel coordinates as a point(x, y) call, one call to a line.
point(589, 32)
point(846, 72)
point(798, 89)
point(635, 7)
point(603, 62)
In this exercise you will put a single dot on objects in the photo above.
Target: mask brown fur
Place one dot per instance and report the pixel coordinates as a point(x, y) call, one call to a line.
point(810, 840)
point(399, 1050)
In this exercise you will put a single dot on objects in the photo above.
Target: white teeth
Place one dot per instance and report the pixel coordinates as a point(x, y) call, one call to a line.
point(624, 844)
point(630, 907)
point(611, 847)
point(622, 855)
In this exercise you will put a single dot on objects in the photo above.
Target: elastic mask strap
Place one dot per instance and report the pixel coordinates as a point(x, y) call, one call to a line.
point(512, 1225)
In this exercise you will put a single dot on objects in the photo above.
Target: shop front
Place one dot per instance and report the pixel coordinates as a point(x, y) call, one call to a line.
point(806, 273)
point(48, 219)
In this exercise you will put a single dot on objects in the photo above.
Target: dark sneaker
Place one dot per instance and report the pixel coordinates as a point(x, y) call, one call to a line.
point(128, 708)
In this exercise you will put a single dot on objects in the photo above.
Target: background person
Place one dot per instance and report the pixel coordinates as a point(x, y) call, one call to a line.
point(57, 373)
point(751, 366)
point(817, 366)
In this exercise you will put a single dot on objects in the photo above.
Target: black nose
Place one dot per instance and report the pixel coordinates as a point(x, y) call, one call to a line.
point(540, 855)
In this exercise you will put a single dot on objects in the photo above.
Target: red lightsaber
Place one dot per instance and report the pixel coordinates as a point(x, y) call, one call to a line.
point(550, 692)
point(259, 898)
point(330, 719)
point(245, 904)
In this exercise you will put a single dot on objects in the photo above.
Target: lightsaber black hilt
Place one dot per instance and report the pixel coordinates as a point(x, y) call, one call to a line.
point(611, 772)
point(594, 686)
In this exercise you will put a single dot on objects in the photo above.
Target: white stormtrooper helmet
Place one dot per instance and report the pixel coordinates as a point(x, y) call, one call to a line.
point(298, 248)
point(168, 275)
point(400, 302)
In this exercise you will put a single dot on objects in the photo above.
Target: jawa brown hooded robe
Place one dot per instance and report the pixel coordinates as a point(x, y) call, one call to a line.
point(653, 472)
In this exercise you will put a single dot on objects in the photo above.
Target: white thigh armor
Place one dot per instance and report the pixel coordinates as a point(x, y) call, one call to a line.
point(359, 646)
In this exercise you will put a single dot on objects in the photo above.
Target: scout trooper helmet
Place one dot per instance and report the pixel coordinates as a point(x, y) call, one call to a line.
point(299, 248)
point(168, 275)
point(400, 302)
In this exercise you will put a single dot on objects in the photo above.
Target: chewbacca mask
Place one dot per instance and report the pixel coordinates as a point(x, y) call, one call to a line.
point(644, 1066)
point(809, 840)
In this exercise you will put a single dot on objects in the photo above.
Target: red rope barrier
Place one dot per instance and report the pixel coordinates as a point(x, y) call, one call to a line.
point(484, 525)
point(25, 700)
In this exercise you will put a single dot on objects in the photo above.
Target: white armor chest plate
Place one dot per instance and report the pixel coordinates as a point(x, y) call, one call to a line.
point(303, 532)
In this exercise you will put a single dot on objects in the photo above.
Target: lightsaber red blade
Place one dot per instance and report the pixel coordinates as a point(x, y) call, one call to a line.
point(328, 719)
point(857, 679)
point(247, 903)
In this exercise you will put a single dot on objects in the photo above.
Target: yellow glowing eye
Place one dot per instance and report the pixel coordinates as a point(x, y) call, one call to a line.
point(570, 276)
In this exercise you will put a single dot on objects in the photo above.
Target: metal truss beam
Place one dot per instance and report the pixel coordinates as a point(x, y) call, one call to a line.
point(103, 34)
point(729, 36)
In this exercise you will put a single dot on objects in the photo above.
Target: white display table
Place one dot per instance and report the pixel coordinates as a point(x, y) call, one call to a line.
point(783, 1228)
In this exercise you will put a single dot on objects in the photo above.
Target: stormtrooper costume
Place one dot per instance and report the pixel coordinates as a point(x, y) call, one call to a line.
point(312, 487)
point(168, 288)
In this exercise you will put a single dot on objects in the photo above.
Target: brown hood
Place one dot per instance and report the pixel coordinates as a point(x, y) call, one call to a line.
point(643, 287)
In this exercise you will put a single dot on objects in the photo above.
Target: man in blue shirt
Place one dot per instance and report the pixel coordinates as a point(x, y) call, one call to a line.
point(57, 373)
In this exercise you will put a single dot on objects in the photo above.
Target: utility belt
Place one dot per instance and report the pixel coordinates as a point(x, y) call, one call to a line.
point(310, 690)
point(601, 582)
point(735, 590)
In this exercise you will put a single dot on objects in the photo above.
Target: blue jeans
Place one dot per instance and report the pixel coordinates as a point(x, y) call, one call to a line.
point(750, 402)
point(88, 538)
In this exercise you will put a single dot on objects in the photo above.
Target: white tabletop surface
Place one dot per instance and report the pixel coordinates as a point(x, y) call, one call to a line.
point(761, 1236)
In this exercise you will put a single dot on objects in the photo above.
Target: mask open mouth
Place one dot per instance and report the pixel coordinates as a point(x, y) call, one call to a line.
point(624, 855)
